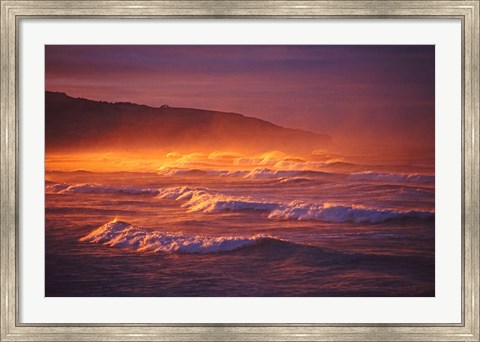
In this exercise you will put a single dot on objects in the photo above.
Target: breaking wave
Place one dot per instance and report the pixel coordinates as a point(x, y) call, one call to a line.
point(268, 173)
point(181, 172)
point(330, 212)
point(124, 235)
point(294, 180)
point(392, 177)
point(61, 188)
point(257, 173)
point(206, 201)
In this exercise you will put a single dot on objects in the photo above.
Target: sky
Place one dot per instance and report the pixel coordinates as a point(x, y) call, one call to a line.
point(361, 95)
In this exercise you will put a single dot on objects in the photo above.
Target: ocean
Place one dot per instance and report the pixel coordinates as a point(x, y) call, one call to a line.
point(332, 229)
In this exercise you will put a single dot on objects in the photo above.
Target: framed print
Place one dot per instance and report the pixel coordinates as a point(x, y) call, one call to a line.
point(239, 170)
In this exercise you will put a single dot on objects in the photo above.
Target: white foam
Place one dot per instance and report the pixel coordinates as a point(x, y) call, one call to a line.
point(181, 172)
point(61, 188)
point(207, 201)
point(328, 212)
point(392, 177)
point(124, 235)
point(256, 173)
point(269, 173)
point(175, 193)
point(224, 173)
point(52, 187)
point(294, 180)
point(281, 174)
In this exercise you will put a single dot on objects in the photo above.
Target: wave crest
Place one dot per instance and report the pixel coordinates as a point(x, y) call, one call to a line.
point(124, 235)
point(329, 212)
point(269, 173)
point(206, 201)
point(87, 188)
point(392, 177)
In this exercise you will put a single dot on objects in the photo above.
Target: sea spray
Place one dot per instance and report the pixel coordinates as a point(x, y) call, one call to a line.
point(206, 201)
point(124, 235)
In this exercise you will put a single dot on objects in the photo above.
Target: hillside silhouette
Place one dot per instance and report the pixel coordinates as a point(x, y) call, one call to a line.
point(75, 124)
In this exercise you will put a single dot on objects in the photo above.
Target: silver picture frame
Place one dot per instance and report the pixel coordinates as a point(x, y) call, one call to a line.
point(13, 11)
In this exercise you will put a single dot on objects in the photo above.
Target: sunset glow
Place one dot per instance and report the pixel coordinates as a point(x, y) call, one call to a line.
point(382, 94)
point(240, 171)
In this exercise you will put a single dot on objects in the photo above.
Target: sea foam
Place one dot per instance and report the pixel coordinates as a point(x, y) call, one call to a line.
point(207, 201)
point(256, 173)
point(87, 188)
point(392, 177)
point(124, 235)
point(328, 212)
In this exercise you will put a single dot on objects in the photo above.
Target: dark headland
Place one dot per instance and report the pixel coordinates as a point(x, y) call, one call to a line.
point(76, 124)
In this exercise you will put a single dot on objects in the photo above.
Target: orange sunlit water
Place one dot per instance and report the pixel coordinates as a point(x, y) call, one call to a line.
point(225, 160)
point(239, 170)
